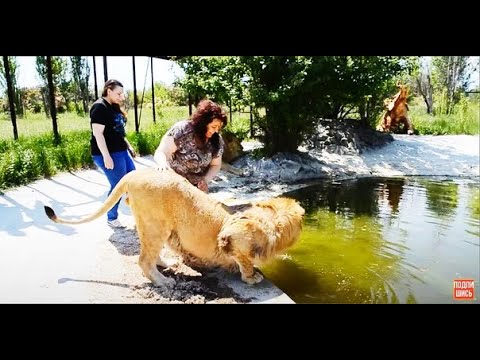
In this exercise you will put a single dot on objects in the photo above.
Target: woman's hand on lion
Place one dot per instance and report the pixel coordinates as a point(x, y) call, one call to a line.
point(163, 167)
point(202, 185)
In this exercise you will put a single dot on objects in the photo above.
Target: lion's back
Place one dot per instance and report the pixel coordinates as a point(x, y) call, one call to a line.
point(164, 199)
point(155, 178)
point(152, 190)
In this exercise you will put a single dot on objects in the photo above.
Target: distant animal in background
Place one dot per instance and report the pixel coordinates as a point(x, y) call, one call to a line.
point(396, 112)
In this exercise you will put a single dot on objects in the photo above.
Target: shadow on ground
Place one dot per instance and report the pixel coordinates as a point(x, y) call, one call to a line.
point(192, 285)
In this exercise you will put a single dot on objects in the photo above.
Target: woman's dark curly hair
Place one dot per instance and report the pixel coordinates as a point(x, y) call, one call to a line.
point(206, 112)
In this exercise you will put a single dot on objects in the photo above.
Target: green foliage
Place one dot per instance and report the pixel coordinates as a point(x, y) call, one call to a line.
point(61, 86)
point(59, 68)
point(45, 163)
point(165, 96)
point(80, 75)
point(178, 96)
point(451, 75)
point(32, 158)
point(239, 125)
point(13, 65)
point(147, 141)
point(32, 100)
point(36, 124)
point(465, 118)
point(167, 115)
point(295, 91)
point(17, 93)
point(219, 78)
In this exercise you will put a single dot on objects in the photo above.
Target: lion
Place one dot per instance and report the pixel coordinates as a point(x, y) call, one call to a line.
point(396, 112)
point(169, 210)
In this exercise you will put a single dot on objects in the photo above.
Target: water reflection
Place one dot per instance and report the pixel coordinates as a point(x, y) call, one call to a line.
point(474, 207)
point(442, 196)
point(382, 241)
point(392, 191)
point(349, 197)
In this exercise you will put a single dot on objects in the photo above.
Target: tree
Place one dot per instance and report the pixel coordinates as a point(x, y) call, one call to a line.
point(424, 84)
point(216, 77)
point(81, 74)
point(282, 85)
point(59, 67)
point(451, 77)
point(10, 92)
point(357, 85)
point(297, 90)
point(13, 65)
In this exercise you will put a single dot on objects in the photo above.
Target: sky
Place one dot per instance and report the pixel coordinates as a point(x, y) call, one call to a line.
point(119, 67)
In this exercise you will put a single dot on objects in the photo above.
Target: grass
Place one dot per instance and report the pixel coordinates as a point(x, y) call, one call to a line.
point(36, 157)
point(464, 120)
point(37, 124)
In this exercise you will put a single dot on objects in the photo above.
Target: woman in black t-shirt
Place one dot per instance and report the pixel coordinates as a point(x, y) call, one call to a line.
point(109, 145)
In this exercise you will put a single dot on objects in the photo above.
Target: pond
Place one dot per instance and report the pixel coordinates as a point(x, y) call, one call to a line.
point(383, 240)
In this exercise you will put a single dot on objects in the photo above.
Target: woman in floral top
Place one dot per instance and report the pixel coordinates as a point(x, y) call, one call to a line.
point(193, 148)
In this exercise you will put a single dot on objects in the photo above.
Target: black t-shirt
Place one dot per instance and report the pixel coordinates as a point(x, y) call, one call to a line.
point(102, 112)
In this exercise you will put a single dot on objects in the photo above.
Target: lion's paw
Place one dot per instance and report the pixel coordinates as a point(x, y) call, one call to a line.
point(254, 279)
point(165, 282)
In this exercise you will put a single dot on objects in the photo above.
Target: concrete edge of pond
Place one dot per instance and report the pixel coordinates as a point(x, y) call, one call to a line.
point(265, 292)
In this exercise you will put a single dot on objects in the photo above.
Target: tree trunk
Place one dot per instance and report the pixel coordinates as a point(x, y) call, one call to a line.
point(85, 101)
point(46, 105)
point(278, 137)
point(451, 90)
point(51, 93)
point(11, 97)
point(425, 88)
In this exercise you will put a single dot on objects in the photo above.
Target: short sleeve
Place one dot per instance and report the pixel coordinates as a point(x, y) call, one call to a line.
point(177, 130)
point(99, 114)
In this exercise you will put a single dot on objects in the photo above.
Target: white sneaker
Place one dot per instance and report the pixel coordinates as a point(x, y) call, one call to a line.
point(115, 223)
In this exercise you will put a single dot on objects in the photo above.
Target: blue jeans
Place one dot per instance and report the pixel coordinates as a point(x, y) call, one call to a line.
point(122, 164)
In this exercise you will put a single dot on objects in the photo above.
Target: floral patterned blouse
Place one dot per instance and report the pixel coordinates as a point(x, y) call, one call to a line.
point(190, 161)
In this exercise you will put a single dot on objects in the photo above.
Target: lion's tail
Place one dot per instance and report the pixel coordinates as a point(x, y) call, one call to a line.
point(115, 195)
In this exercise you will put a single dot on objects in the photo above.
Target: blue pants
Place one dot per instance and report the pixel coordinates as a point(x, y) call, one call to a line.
point(122, 164)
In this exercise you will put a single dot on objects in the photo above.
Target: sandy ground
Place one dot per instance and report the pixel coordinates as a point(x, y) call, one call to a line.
point(43, 262)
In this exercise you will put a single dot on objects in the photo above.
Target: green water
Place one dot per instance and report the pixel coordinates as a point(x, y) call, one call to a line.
point(375, 240)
